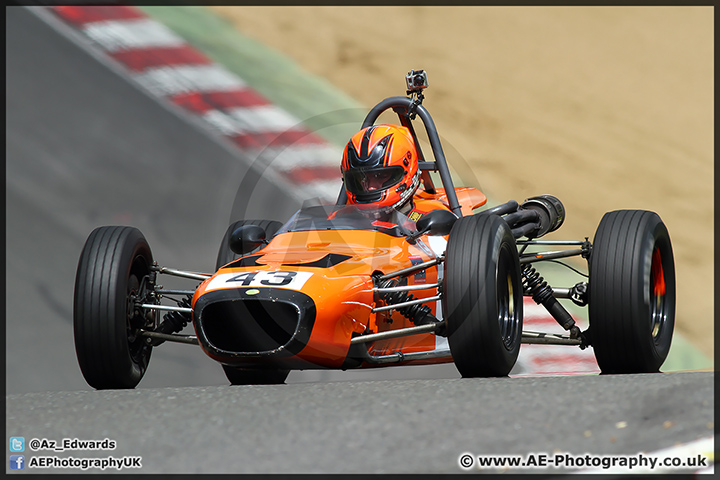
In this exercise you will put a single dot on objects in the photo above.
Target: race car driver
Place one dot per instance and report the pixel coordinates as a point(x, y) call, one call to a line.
point(380, 169)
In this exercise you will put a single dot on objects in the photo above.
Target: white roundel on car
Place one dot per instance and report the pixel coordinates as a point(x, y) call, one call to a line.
point(438, 244)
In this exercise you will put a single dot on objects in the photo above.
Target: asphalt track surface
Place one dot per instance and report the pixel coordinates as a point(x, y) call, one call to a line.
point(86, 148)
point(402, 426)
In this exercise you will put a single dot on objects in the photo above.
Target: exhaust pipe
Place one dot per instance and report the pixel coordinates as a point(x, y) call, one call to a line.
point(551, 214)
point(535, 217)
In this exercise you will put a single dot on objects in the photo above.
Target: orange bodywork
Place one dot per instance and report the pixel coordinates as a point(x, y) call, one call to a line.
point(342, 293)
point(469, 198)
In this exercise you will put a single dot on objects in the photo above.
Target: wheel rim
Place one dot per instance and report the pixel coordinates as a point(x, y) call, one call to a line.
point(139, 350)
point(658, 294)
point(507, 315)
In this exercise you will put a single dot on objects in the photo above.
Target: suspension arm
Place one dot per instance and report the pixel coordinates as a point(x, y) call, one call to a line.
point(167, 308)
point(181, 273)
point(406, 304)
point(166, 291)
point(551, 242)
point(400, 332)
point(187, 339)
point(407, 288)
point(539, 257)
point(548, 339)
point(415, 268)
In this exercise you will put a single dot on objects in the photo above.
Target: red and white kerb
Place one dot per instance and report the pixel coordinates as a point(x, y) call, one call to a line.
point(169, 68)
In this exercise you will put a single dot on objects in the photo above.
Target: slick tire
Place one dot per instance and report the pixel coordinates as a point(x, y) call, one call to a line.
point(109, 350)
point(631, 292)
point(482, 296)
point(225, 255)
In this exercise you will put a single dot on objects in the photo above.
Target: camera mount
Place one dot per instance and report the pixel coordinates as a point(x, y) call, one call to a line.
point(416, 81)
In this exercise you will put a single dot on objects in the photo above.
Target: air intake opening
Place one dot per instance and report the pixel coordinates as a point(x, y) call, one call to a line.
point(243, 326)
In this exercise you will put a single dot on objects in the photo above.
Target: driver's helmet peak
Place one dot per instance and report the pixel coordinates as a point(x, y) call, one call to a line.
point(380, 166)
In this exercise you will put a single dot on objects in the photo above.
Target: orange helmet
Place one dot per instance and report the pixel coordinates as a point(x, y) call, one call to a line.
point(380, 166)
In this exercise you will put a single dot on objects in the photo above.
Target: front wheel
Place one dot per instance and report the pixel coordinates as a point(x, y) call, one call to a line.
point(632, 292)
point(482, 296)
point(110, 273)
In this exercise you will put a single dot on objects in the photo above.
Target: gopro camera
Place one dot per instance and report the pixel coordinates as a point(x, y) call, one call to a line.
point(416, 80)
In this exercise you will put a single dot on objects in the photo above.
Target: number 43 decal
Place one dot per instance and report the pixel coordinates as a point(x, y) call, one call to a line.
point(269, 279)
point(280, 278)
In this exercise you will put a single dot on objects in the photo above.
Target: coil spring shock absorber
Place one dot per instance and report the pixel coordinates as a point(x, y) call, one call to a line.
point(173, 322)
point(534, 285)
point(418, 314)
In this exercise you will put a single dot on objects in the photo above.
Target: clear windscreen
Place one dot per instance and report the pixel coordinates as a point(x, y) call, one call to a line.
point(349, 217)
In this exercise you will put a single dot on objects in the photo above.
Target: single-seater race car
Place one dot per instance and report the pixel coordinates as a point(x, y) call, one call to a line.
point(351, 286)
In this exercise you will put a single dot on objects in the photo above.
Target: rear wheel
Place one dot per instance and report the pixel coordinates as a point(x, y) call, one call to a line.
point(112, 266)
point(482, 296)
point(632, 292)
point(249, 376)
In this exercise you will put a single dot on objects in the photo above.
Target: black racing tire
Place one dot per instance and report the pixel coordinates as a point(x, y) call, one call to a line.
point(249, 376)
point(112, 265)
point(482, 296)
point(631, 292)
point(225, 255)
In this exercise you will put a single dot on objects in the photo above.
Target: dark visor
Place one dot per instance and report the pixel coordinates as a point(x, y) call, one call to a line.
point(358, 181)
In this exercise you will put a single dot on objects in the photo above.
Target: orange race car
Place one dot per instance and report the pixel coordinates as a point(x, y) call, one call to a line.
point(354, 286)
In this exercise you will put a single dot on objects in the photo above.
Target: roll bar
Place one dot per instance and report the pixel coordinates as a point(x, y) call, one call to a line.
point(406, 108)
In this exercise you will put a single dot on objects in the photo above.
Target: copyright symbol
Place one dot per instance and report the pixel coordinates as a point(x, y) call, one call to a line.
point(34, 444)
point(466, 460)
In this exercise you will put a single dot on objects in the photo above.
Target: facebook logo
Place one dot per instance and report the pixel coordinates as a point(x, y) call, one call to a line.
point(17, 444)
point(17, 462)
